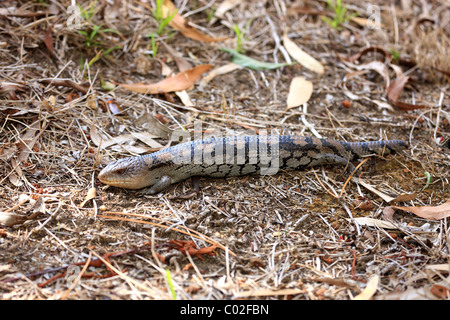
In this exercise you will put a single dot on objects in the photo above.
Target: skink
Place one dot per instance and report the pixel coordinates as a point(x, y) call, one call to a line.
point(237, 155)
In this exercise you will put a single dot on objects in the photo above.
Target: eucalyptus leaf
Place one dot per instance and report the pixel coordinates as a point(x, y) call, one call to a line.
point(250, 63)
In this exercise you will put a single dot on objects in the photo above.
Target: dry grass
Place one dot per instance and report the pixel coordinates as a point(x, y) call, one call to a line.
point(279, 237)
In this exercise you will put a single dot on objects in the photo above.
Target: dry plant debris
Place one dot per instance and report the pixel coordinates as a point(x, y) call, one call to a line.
point(83, 85)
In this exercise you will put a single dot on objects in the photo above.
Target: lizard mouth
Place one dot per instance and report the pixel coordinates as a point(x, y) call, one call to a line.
point(122, 181)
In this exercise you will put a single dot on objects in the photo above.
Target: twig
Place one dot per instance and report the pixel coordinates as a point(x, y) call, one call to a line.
point(187, 230)
point(65, 83)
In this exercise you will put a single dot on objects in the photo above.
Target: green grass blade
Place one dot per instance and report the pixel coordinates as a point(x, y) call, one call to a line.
point(251, 63)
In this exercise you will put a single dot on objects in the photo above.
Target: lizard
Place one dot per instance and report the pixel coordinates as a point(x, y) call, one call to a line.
point(222, 157)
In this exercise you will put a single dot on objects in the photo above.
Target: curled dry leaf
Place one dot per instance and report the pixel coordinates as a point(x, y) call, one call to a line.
point(300, 91)
point(364, 51)
point(301, 56)
point(181, 24)
point(181, 81)
point(91, 194)
point(429, 212)
point(376, 66)
point(395, 89)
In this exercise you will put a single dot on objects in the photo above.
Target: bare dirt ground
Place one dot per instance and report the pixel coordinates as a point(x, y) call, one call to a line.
point(294, 235)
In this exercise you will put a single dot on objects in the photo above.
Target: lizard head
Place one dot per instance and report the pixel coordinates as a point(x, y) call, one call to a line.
point(130, 173)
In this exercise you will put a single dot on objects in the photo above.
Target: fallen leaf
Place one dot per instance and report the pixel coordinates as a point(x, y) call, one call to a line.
point(112, 10)
point(370, 222)
point(96, 137)
point(405, 197)
point(181, 62)
point(147, 138)
point(181, 24)
point(388, 214)
point(444, 267)
point(16, 179)
point(367, 22)
point(440, 291)
point(26, 144)
point(5, 267)
point(122, 140)
point(429, 212)
point(181, 81)
point(376, 66)
point(91, 194)
point(301, 56)
point(394, 90)
point(166, 70)
point(155, 127)
point(9, 218)
point(382, 195)
point(300, 91)
point(350, 94)
point(37, 208)
point(364, 51)
point(28, 140)
point(225, 6)
point(184, 97)
point(114, 108)
point(380, 104)
point(91, 102)
point(6, 87)
point(138, 149)
point(219, 71)
point(251, 63)
point(369, 290)
point(48, 40)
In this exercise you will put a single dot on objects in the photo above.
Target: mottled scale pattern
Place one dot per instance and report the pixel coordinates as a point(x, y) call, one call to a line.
point(237, 155)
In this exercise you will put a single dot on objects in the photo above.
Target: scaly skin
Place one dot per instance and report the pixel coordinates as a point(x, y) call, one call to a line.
point(235, 156)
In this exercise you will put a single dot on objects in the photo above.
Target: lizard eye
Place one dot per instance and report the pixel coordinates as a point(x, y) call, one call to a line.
point(120, 171)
